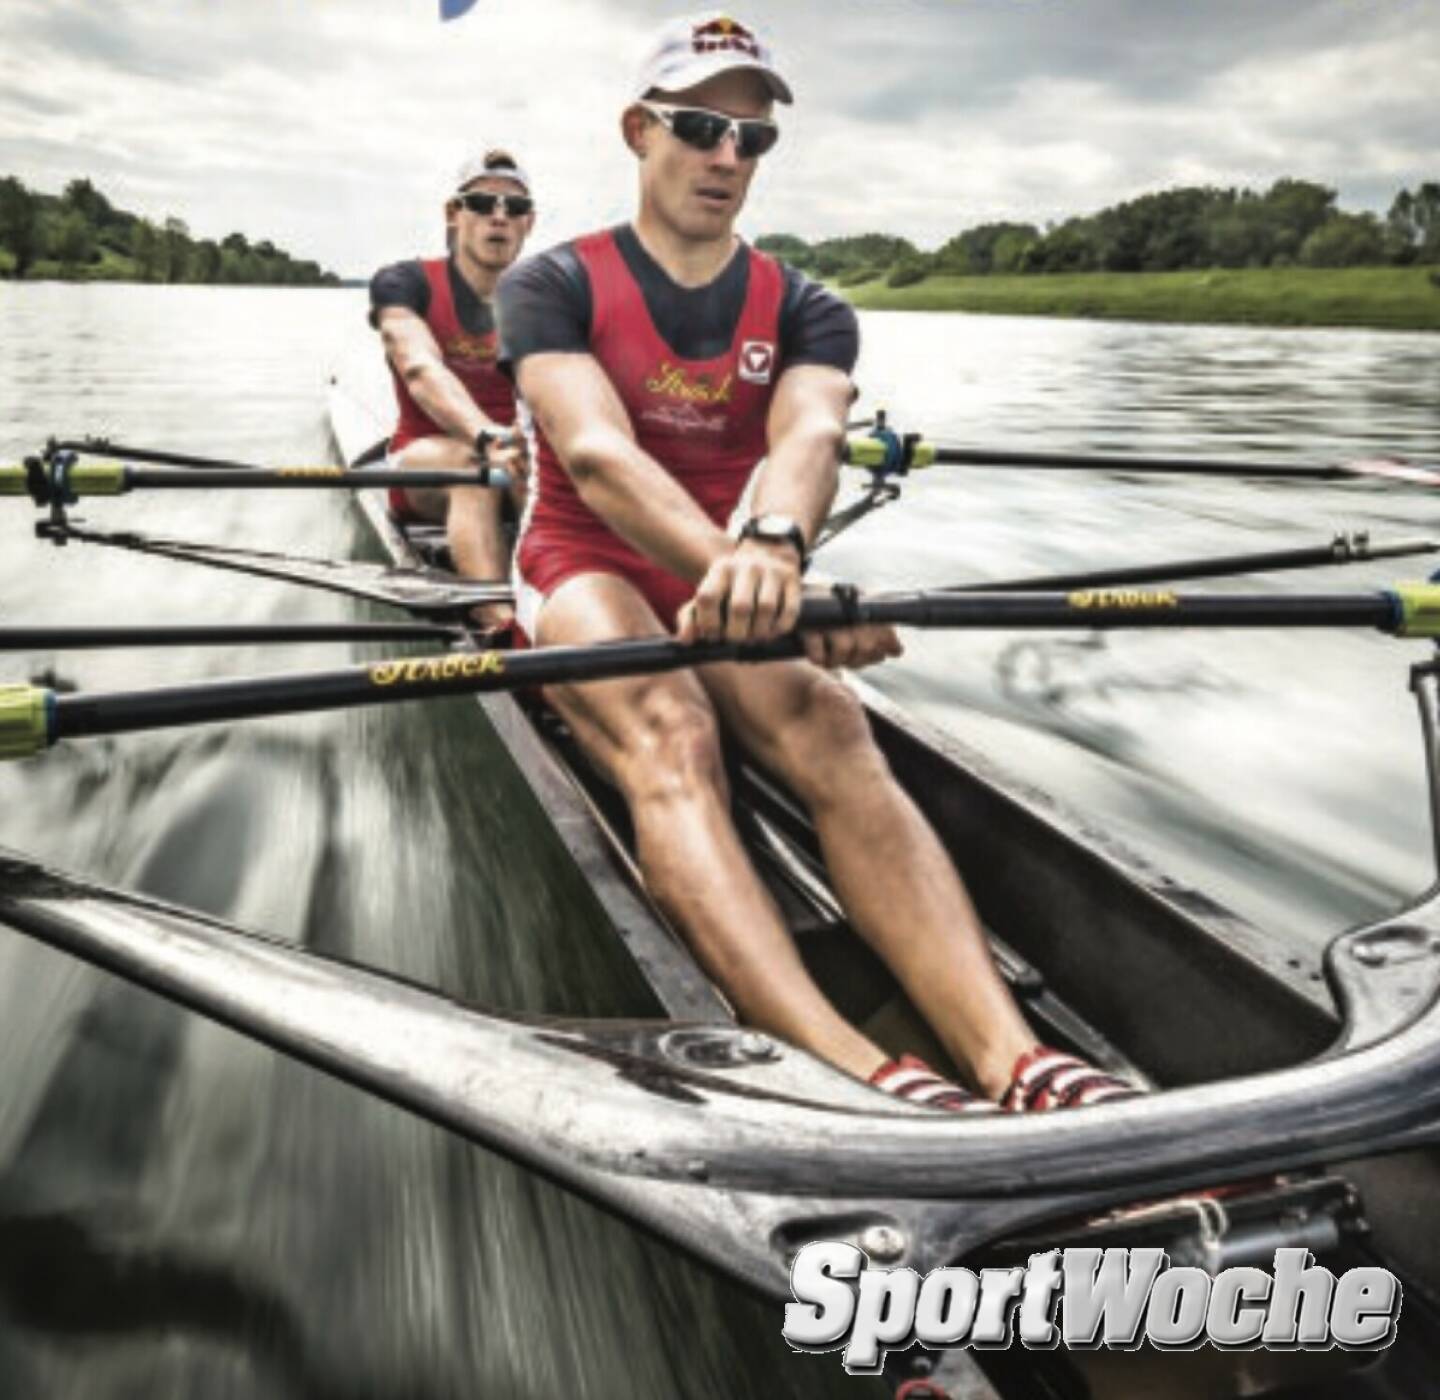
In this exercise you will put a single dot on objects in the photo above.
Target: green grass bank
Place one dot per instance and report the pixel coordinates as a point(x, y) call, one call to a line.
point(1385, 298)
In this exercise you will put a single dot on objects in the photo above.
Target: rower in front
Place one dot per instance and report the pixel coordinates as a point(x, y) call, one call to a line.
point(435, 318)
point(661, 361)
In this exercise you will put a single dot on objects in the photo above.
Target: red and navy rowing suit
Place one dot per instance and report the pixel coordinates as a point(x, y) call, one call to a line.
point(695, 368)
point(464, 329)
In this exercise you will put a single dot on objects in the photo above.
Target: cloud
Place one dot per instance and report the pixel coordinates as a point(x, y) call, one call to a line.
point(332, 126)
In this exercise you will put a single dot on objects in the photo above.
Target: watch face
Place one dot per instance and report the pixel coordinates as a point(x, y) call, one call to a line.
point(774, 527)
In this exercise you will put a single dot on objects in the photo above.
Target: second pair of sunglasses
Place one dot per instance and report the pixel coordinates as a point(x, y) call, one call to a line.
point(514, 206)
point(705, 130)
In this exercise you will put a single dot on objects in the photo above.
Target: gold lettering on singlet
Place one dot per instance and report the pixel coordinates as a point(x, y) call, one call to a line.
point(675, 383)
point(472, 349)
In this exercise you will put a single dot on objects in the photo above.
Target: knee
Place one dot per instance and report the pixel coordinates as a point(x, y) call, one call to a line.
point(827, 743)
point(674, 749)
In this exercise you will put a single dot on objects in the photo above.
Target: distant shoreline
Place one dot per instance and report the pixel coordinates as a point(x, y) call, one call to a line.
point(79, 236)
point(1372, 298)
point(118, 270)
point(43, 275)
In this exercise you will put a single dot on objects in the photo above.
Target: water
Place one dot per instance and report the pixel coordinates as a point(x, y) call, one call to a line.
point(183, 1213)
point(1279, 770)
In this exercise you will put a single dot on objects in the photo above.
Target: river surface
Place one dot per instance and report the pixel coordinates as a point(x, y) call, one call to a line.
point(183, 1213)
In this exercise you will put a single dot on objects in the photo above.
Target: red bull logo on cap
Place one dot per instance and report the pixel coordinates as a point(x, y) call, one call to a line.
point(718, 35)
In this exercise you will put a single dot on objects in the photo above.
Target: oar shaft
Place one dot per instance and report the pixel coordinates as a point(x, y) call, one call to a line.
point(385, 682)
point(104, 447)
point(32, 718)
point(889, 454)
point(1343, 549)
point(304, 478)
point(220, 634)
point(1135, 607)
point(1122, 461)
point(94, 478)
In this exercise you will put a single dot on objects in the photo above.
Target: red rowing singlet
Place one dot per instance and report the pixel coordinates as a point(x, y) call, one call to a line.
point(470, 358)
point(702, 420)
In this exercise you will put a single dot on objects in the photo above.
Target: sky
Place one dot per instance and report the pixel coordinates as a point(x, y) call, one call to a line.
point(333, 127)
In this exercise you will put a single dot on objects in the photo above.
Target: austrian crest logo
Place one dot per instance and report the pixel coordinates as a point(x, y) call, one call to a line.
point(757, 361)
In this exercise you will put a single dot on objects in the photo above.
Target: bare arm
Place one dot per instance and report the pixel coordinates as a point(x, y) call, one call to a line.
point(472, 514)
point(806, 434)
point(754, 592)
point(583, 419)
point(412, 350)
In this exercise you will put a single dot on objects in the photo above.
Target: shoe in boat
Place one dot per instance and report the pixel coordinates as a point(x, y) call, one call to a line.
point(1046, 1079)
point(911, 1079)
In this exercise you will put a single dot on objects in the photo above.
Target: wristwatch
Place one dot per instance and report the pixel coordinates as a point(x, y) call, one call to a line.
point(776, 529)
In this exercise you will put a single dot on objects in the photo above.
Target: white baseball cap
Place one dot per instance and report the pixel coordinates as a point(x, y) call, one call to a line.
point(688, 51)
point(493, 165)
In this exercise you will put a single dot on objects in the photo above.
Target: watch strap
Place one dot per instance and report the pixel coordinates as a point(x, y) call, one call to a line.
point(752, 529)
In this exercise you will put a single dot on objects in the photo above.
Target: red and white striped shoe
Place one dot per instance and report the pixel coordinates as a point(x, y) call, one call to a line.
point(1046, 1079)
point(911, 1079)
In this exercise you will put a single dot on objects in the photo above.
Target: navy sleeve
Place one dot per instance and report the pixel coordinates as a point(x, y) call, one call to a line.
point(400, 284)
point(816, 326)
point(543, 304)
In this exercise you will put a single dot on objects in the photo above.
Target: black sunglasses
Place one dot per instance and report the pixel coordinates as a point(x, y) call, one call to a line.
point(705, 130)
point(514, 206)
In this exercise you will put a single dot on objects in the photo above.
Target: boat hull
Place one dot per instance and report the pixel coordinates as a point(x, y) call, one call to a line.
point(1105, 953)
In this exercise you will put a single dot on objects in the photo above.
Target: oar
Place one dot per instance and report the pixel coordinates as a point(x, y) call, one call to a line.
point(886, 455)
point(32, 718)
point(422, 592)
point(102, 446)
point(65, 480)
point(219, 634)
point(1343, 549)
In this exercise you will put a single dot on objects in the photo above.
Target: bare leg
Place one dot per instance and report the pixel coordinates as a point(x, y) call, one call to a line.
point(473, 527)
point(893, 877)
point(657, 738)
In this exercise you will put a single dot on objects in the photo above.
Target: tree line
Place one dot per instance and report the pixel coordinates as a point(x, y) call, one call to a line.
point(80, 234)
point(1293, 223)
